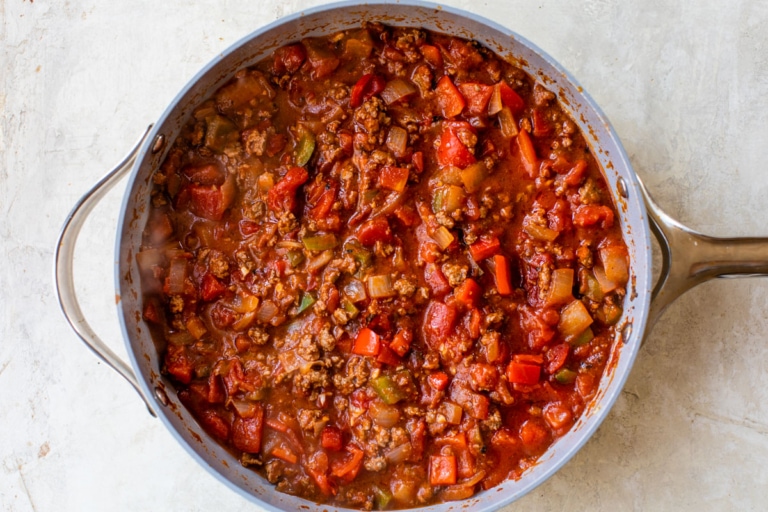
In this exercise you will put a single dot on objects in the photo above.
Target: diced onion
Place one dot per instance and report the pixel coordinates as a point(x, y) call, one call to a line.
point(606, 285)
point(560, 287)
point(266, 312)
point(443, 237)
point(507, 123)
point(244, 408)
point(355, 291)
point(452, 412)
point(539, 232)
point(472, 177)
point(399, 454)
point(177, 273)
point(380, 286)
point(615, 264)
point(494, 105)
point(319, 261)
point(574, 320)
point(290, 360)
point(245, 302)
point(149, 258)
point(397, 140)
point(289, 244)
point(244, 321)
point(396, 90)
point(382, 414)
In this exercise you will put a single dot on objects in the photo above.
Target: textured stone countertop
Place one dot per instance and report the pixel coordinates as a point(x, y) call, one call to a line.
point(685, 84)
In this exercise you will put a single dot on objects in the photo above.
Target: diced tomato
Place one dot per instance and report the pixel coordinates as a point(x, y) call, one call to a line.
point(401, 342)
point(367, 343)
point(484, 248)
point(527, 153)
point(439, 320)
point(320, 199)
point(331, 438)
point(451, 150)
point(393, 178)
point(368, 86)
point(222, 316)
point(374, 230)
point(503, 279)
point(438, 380)
point(477, 96)
point(442, 470)
point(556, 357)
point(214, 424)
point(321, 58)
point(417, 159)
point(178, 363)
point(509, 98)
point(282, 197)
point(590, 214)
point(206, 174)
point(248, 227)
point(541, 126)
point(152, 312)
point(211, 288)
point(211, 201)
point(246, 432)
point(523, 373)
point(346, 141)
point(483, 376)
point(387, 356)
point(449, 99)
point(407, 216)
point(432, 55)
point(275, 144)
point(436, 280)
point(215, 390)
point(534, 436)
point(468, 293)
point(288, 59)
point(317, 468)
point(475, 404)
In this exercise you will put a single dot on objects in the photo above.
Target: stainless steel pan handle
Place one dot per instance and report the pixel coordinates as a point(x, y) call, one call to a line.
point(690, 258)
point(63, 274)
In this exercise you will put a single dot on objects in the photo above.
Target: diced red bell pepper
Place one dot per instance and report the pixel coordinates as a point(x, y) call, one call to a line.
point(523, 373)
point(387, 356)
point(432, 55)
point(320, 199)
point(484, 248)
point(509, 98)
point(468, 293)
point(503, 279)
point(401, 342)
point(449, 99)
point(477, 95)
point(451, 150)
point(393, 178)
point(368, 86)
point(442, 470)
point(367, 343)
point(417, 159)
point(438, 380)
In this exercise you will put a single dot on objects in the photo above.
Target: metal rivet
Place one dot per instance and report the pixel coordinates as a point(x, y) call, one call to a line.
point(159, 143)
point(622, 186)
point(626, 332)
point(161, 396)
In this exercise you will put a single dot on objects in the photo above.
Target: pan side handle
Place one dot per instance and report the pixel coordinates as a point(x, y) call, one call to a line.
point(690, 258)
point(63, 273)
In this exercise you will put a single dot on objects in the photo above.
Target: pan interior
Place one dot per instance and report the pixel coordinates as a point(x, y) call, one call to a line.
point(327, 20)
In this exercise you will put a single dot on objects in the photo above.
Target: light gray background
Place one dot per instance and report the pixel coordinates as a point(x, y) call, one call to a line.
point(686, 87)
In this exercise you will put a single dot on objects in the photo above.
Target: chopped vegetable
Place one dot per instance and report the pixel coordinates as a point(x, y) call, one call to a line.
point(484, 248)
point(565, 376)
point(393, 178)
point(473, 176)
point(367, 343)
point(615, 264)
point(503, 280)
point(331, 438)
point(388, 391)
point(320, 242)
point(574, 320)
point(380, 287)
point(468, 293)
point(560, 287)
point(507, 123)
point(305, 148)
point(307, 299)
point(523, 373)
point(442, 470)
point(396, 90)
point(527, 153)
point(449, 99)
point(443, 237)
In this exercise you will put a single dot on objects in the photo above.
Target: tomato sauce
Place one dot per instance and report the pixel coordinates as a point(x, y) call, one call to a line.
point(383, 268)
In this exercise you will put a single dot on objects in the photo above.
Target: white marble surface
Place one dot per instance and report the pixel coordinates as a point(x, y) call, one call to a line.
point(686, 87)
